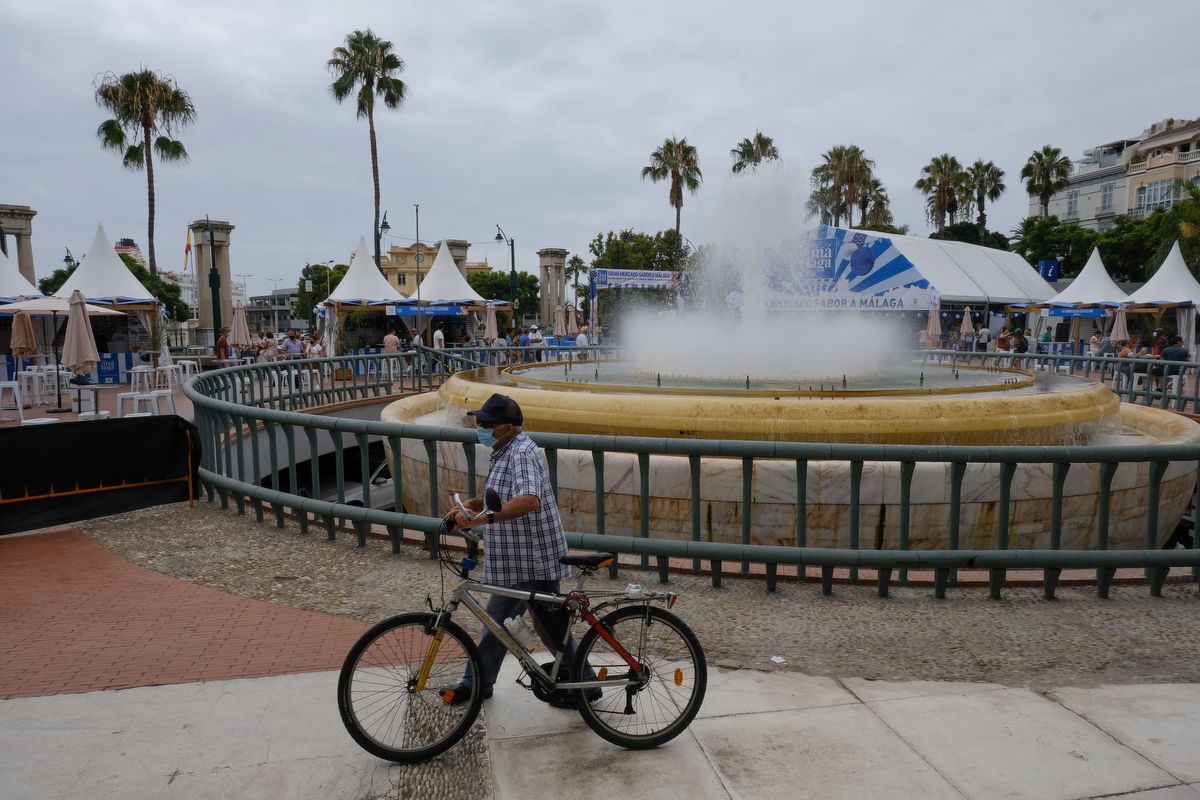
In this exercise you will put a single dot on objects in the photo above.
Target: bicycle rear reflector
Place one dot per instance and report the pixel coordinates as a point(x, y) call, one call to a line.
point(678, 677)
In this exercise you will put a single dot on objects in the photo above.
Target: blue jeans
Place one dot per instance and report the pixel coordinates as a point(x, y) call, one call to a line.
point(549, 623)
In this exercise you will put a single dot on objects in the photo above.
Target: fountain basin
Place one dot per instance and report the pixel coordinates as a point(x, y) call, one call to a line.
point(773, 513)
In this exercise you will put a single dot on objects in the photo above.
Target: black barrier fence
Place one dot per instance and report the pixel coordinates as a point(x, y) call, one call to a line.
point(54, 474)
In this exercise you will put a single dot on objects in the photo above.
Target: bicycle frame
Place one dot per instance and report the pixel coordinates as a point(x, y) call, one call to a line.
point(462, 594)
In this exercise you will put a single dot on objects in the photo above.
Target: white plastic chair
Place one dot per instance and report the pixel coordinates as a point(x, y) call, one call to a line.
point(33, 385)
point(141, 379)
point(189, 369)
point(141, 404)
point(15, 388)
point(92, 416)
point(160, 395)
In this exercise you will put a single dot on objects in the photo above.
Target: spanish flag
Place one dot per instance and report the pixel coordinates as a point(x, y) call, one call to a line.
point(187, 250)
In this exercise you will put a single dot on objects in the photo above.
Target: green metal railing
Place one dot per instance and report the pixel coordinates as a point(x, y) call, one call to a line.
point(233, 404)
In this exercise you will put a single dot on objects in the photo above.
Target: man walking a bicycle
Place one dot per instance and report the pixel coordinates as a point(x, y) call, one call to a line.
point(523, 544)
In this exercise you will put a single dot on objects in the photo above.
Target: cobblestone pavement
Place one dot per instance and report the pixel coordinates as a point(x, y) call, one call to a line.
point(1021, 640)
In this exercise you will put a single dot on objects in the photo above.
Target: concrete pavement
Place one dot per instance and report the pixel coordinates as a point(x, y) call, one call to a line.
point(758, 735)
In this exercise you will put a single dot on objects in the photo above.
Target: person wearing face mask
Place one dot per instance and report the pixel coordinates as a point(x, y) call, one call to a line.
point(523, 542)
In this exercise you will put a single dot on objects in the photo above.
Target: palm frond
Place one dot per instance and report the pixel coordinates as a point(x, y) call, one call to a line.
point(169, 149)
point(135, 157)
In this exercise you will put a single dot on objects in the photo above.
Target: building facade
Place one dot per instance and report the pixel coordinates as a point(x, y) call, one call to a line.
point(1128, 176)
point(273, 312)
point(405, 266)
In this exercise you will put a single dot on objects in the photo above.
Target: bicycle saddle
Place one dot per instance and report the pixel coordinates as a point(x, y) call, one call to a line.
point(591, 562)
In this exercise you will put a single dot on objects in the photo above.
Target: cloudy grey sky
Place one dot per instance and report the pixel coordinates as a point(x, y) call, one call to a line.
point(539, 115)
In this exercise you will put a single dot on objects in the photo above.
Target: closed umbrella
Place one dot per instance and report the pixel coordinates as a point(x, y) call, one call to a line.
point(560, 323)
point(239, 333)
point(24, 341)
point(934, 328)
point(1120, 329)
point(490, 332)
point(79, 346)
point(572, 322)
point(967, 329)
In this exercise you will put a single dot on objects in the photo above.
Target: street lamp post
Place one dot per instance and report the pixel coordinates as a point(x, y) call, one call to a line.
point(245, 291)
point(501, 236)
point(379, 234)
point(214, 279)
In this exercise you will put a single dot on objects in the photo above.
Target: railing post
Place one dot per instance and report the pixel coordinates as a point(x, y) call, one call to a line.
point(747, 504)
point(856, 471)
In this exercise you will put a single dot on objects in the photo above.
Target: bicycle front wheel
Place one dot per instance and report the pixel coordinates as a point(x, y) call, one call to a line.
point(378, 698)
point(664, 699)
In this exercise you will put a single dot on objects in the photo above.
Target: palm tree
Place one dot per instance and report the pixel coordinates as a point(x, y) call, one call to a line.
point(939, 181)
point(677, 160)
point(752, 152)
point(836, 183)
point(143, 104)
point(1045, 173)
point(366, 63)
point(987, 182)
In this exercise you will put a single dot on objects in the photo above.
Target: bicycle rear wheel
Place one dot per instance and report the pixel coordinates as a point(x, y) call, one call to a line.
point(377, 694)
point(667, 696)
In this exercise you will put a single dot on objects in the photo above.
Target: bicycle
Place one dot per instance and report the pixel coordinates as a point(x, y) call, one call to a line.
point(396, 690)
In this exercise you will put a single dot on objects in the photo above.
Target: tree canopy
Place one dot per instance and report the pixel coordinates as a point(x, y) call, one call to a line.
point(493, 285)
point(147, 108)
point(366, 63)
point(325, 278)
point(751, 153)
point(677, 161)
point(1045, 173)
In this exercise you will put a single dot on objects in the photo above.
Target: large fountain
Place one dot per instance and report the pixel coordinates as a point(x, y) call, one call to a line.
point(764, 374)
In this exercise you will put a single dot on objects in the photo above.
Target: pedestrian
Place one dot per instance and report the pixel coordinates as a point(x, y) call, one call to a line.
point(537, 342)
point(525, 540)
point(523, 342)
point(292, 346)
point(222, 348)
point(391, 342)
point(581, 341)
point(982, 337)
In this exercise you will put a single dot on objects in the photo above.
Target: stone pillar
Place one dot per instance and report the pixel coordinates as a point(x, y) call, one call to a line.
point(17, 221)
point(221, 230)
point(552, 264)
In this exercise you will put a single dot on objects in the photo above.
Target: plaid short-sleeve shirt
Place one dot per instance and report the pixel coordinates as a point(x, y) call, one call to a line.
point(526, 548)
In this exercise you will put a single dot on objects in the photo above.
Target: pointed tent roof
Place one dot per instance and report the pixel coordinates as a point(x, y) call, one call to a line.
point(103, 278)
point(13, 283)
point(1092, 287)
point(363, 284)
point(1172, 284)
point(445, 284)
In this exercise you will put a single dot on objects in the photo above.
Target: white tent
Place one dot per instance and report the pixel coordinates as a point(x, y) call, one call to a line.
point(445, 284)
point(364, 286)
point(1173, 285)
point(955, 271)
point(13, 284)
point(103, 279)
point(1092, 287)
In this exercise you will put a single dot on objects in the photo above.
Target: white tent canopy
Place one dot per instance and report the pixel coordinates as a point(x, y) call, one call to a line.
point(967, 273)
point(12, 283)
point(103, 278)
point(1172, 284)
point(363, 283)
point(1092, 287)
point(445, 284)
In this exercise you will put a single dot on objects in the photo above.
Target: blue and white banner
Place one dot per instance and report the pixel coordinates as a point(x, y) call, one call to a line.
point(838, 269)
point(636, 279)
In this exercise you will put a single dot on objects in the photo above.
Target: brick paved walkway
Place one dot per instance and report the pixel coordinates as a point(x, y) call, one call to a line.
point(74, 617)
